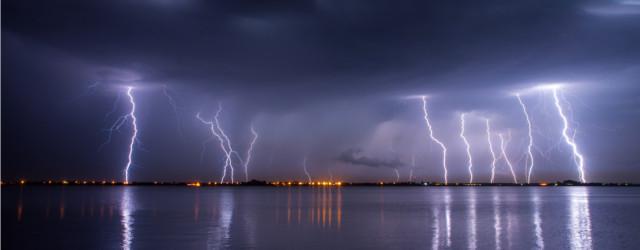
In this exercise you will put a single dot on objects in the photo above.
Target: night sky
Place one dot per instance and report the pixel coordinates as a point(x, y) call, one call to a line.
point(330, 80)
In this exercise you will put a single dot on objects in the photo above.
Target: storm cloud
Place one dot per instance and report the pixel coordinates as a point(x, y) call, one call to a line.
point(314, 77)
point(354, 156)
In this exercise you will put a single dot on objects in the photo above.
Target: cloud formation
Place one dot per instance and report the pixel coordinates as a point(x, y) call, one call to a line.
point(314, 77)
point(354, 156)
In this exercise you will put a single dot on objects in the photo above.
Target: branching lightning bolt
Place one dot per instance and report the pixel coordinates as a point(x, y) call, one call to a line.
point(249, 152)
point(134, 126)
point(530, 145)
point(118, 124)
point(214, 132)
point(91, 89)
point(173, 104)
point(493, 154)
point(212, 129)
point(229, 151)
point(114, 106)
point(304, 167)
point(226, 146)
point(114, 127)
point(397, 174)
point(433, 138)
point(578, 158)
point(506, 159)
point(468, 148)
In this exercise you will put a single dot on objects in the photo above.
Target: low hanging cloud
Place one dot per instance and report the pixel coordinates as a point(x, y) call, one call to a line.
point(354, 156)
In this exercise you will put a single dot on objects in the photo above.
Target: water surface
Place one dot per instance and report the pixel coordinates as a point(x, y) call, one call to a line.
point(143, 217)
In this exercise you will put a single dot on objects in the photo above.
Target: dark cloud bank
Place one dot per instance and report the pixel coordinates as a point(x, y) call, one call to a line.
point(314, 77)
point(355, 157)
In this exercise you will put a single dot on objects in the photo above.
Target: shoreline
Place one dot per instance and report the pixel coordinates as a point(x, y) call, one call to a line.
point(306, 184)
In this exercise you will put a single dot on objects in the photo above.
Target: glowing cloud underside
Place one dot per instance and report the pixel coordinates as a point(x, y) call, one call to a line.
point(493, 153)
point(249, 152)
point(506, 159)
point(529, 166)
point(433, 138)
point(134, 136)
point(468, 148)
point(579, 159)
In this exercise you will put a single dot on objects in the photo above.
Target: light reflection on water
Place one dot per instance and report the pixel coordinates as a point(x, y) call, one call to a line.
point(219, 233)
point(321, 217)
point(447, 211)
point(442, 220)
point(580, 222)
point(127, 207)
point(323, 210)
point(497, 217)
point(473, 220)
point(537, 220)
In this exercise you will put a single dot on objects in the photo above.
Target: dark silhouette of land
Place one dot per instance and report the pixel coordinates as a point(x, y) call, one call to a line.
point(300, 183)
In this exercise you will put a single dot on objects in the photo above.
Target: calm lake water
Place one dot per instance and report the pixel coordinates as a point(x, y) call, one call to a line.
point(138, 217)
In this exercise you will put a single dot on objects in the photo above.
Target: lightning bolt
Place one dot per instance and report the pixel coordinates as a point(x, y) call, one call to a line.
point(118, 124)
point(214, 132)
point(134, 125)
point(468, 147)
point(493, 154)
point(304, 167)
point(114, 127)
point(577, 156)
point(506, 159)
point(249, 152)
point(397, 174)
point(433, 138)
point(114, 106)
point(229, 150)
point(226, 146)
point(413, 166)
point(89, 91)
point(173, 104)
point(530, 145)
point(212, 129)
